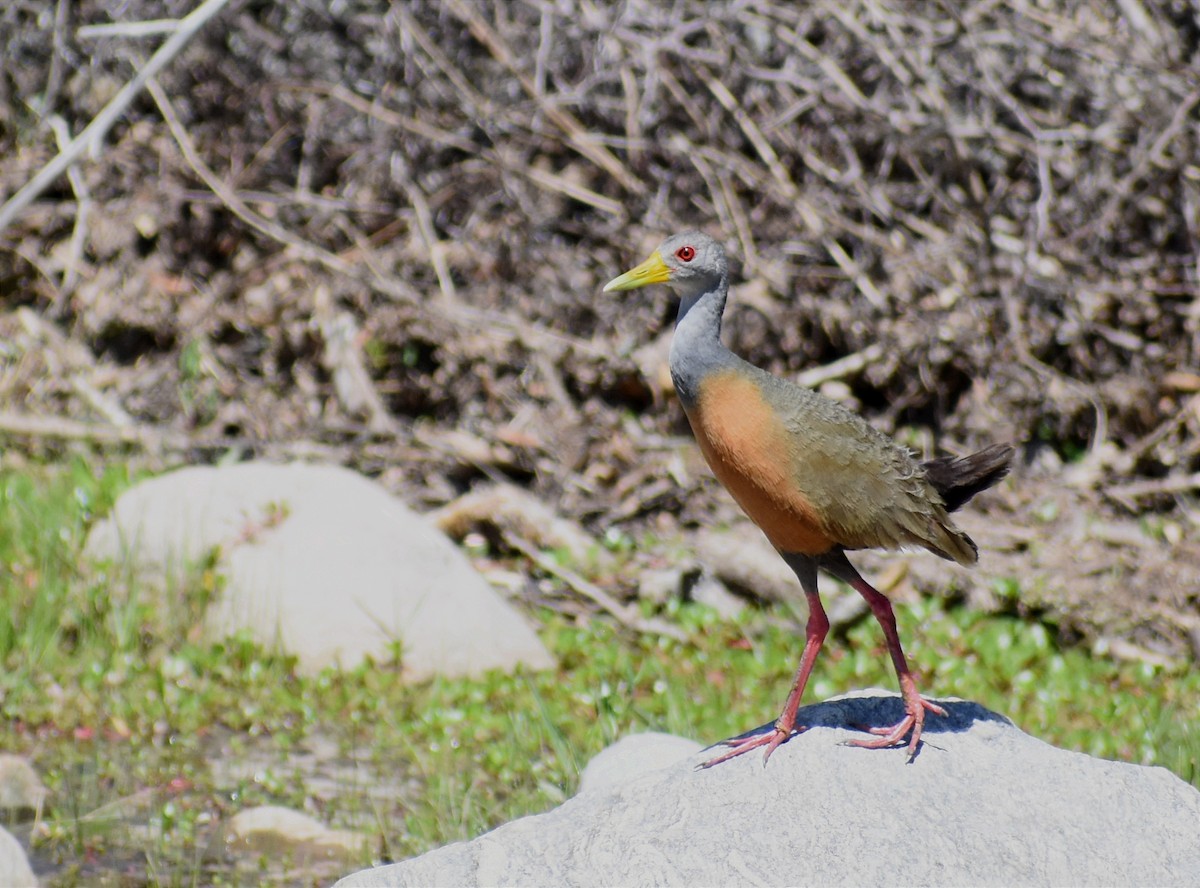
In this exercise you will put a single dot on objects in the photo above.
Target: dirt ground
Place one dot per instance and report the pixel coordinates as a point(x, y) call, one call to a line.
point(376, 234)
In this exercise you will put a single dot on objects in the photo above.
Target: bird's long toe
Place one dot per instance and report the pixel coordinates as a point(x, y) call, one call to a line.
point(771, 740)
point(913, 721)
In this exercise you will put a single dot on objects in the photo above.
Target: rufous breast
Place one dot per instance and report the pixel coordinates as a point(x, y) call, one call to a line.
point(748, 449)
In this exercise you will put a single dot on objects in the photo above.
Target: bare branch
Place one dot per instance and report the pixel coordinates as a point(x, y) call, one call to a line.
point(94, 133)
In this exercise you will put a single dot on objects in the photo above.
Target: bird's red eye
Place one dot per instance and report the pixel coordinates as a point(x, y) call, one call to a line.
point(685, 254)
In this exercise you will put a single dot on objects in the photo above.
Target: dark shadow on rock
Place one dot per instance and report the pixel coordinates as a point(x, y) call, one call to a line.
point(880, 710)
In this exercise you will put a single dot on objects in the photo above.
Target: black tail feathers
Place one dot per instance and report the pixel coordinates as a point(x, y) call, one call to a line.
point(958, 478)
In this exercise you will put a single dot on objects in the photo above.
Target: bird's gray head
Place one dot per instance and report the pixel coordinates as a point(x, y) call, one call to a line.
point(690, 263)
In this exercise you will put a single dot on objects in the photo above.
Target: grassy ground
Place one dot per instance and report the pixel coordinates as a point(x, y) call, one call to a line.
point(148, 737)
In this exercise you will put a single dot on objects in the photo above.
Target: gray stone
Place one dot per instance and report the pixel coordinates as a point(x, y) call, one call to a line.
point(20, 787)
point(321, 562)
point(275, 831)
point(15, 871)
point(983, 804)
point(634, 756)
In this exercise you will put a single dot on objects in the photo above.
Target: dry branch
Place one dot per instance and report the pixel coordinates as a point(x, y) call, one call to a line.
point(1155, 487)
point(83, 202)
point(94, 133)
point(576, 133)
point(626, 615)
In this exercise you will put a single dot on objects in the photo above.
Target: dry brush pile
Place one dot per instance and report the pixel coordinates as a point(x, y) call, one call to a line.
point(377, 232)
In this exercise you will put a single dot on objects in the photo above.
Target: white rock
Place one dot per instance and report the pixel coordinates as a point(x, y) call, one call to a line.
point(275, 830)
point(983, 804)
point(322, 562)
point(634, 756)
point(20, 786)
point(15, 871)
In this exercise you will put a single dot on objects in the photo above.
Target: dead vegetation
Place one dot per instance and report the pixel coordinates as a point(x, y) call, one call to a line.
point(376, 233)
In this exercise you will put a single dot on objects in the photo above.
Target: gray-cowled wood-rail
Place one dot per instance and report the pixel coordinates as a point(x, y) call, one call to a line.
point(815, 477)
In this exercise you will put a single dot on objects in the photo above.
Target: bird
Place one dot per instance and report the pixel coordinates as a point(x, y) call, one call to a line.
point(816, 478)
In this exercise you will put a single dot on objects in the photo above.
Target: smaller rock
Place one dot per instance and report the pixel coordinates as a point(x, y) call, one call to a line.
point(634, 756)
point(15, 870)
point(275, 830)
point(20, 787)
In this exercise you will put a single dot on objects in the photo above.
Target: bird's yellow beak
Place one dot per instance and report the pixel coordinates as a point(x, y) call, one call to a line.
point(652, 271)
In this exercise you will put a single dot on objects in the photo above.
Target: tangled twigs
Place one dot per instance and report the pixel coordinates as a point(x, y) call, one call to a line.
point(94, 133)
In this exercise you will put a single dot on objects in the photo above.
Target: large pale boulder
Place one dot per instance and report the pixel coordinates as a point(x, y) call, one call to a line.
point(983, 804)
point(321, 562)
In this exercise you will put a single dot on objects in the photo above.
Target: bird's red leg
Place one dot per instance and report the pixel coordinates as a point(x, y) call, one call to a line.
point(914, 704)
point(785, 725)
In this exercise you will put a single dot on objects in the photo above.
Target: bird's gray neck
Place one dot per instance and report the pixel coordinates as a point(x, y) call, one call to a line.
point(696, 348)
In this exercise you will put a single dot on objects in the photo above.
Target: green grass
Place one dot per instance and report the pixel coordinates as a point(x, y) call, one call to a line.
point(149, 737)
